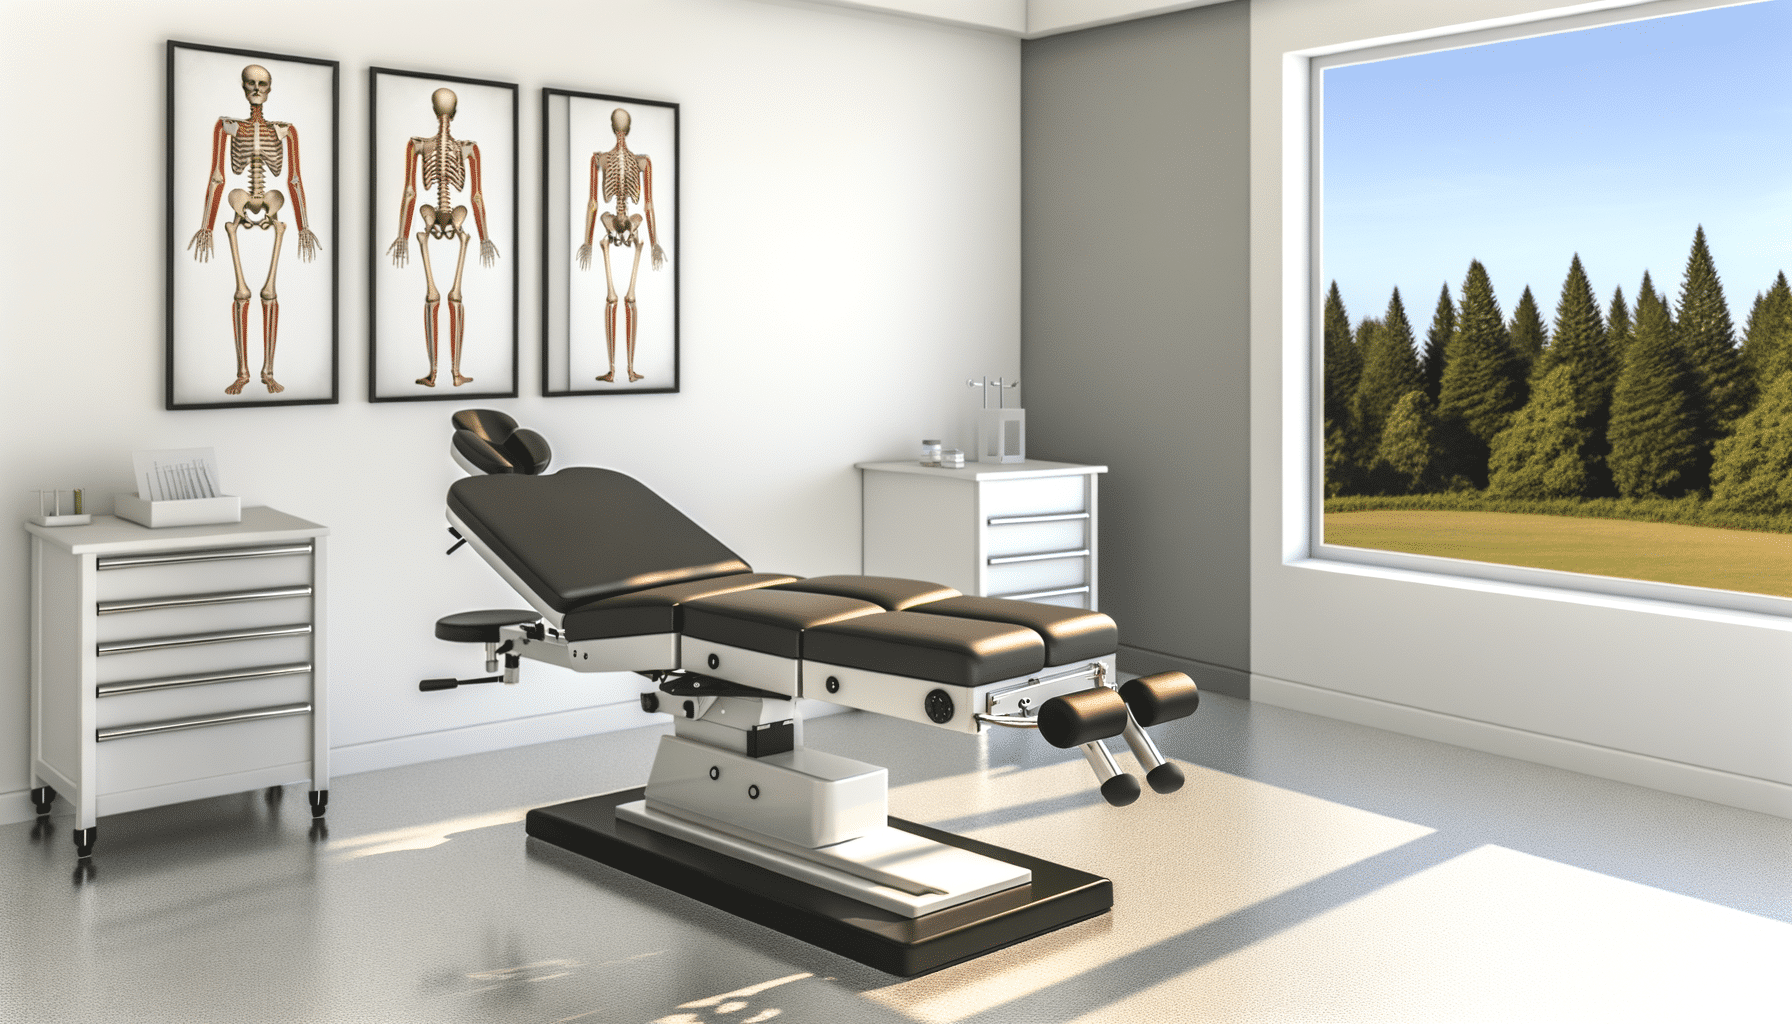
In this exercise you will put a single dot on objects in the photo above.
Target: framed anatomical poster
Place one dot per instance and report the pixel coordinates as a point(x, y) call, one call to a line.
point(610, 250)
point(252, 238)
point(442, 280)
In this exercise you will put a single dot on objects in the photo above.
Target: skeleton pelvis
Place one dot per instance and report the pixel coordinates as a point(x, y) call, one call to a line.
point(443, 223)
point(622, 230)
point(245, 206)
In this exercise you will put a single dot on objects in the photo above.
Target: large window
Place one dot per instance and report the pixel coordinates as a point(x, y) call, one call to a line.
point(1554, 328)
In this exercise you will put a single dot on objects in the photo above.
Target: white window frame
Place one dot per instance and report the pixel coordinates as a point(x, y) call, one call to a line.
point(1304, 347)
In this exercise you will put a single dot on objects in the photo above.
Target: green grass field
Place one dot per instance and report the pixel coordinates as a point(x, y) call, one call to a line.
point(1696, 556)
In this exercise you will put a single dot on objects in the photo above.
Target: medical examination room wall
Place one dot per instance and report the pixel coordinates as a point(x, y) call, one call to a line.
point(849, 255)
point(1682, 698)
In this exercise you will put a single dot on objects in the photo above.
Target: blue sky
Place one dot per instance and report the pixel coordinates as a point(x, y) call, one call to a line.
point(1614, 142)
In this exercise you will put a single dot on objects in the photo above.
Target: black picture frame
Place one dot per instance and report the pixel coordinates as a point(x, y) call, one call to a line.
point(205, 92)
point(487, 116)
point(576, 344)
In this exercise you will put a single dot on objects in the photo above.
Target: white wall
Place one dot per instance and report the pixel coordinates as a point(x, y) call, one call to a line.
point(850, 252)
point(1684, 699)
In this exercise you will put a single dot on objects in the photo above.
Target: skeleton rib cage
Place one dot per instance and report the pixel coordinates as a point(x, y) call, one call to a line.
point(621, 178)
point(255, 146)
point(444, 165)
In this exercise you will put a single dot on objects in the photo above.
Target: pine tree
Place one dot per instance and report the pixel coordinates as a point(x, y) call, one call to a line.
point(1618, 330)
point(1654, 432)
point(1343, 370)
point(1543, 454)
point(1405, 462)
point(1483, 381)
point(1767, 338)
point(1708, 338)
point(1529, 336)
point(1390, 369)
point(1579, 343)
point(1443, 325)
point(1753, 468)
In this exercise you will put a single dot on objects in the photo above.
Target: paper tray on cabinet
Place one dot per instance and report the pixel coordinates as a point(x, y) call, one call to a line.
point(225, 508)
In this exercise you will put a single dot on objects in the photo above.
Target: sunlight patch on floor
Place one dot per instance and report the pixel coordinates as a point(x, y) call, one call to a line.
point(1574, 945)
point(1221, 844)
point(419, 837)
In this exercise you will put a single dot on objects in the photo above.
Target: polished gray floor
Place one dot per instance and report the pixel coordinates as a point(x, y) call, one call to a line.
point(1311, 871)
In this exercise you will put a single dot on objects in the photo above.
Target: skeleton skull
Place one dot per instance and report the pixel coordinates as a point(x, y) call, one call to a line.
point(620, 121)
point(257, 84)
point(444, 101)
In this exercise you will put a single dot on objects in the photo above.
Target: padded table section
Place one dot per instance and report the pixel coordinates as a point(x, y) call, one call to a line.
point(1070, 634)
point(771, 621)
point(892, 593)
point(583, 534)
point(938, 648)
point(656, 609)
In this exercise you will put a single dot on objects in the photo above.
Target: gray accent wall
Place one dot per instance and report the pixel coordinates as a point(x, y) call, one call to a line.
point(1135, 319)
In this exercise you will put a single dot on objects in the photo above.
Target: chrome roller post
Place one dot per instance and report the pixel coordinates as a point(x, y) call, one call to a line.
point(1162, 774)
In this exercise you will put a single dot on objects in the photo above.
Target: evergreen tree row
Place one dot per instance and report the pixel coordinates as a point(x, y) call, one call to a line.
point(1658, 400)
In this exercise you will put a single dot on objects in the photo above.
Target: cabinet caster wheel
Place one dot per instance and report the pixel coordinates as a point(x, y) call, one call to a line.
point(84, 842)
point(43, 797)
point(320, 799)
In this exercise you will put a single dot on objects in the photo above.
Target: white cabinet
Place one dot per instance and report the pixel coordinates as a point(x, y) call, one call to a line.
point(1024, 530)
point(176, 663)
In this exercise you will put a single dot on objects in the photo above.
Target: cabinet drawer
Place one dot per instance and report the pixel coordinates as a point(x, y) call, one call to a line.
point(1035, 538)
point(222, 657)
point(1023, 578)
point(136, 582)
point(137, 762)
point(1046, 495)
point(208, 618)
point(208, 699)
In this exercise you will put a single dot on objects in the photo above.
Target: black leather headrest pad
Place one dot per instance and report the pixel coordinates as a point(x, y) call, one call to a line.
point(583, 534)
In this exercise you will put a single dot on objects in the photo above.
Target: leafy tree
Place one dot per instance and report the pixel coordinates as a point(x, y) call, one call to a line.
point(1543, 454)
point(1767, 338)
point(1390, 369)
point(1618, 329)
point(1405, 462)
point(1753, 468)
point(1443, 326)
point(1654, 432)
point(1483, 383)
point(1529, 336)
point(1706, 335)
point(1343, 370)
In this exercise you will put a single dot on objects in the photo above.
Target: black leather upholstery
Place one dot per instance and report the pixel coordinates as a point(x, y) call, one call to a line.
point(1070, 634)
point(493, 443)
point(656, 609)
point(889, 592)
point(582, 534)
point(939, 648)
point(771, 621)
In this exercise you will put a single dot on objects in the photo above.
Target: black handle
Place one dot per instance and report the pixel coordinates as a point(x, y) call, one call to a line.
point(427, 685)
point(1082, 717)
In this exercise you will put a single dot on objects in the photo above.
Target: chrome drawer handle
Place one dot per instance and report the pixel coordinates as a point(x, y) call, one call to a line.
point(194, 600)
point(1058, 517)
point(120, 732)
point(219, 555)
point(195, 639)
point(1044, 557)
point(171, 682)
point(1035, 595)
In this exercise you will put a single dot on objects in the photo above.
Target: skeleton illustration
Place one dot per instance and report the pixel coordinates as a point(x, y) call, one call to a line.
point(622, 175)
point(258, 147)
point(448, 164)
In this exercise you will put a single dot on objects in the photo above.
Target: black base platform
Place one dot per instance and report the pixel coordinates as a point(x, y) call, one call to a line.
point(1057, 896)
